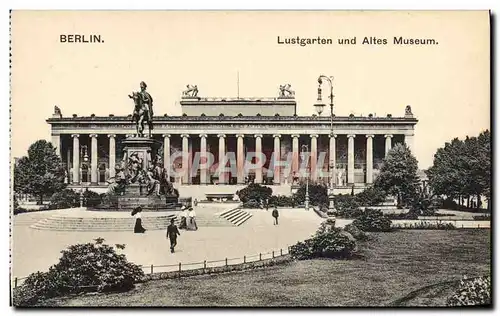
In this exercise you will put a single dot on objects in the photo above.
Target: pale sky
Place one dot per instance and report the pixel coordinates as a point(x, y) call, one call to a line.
point(447, 85)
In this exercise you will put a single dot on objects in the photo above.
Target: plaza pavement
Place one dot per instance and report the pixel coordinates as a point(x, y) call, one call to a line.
point(36, 250)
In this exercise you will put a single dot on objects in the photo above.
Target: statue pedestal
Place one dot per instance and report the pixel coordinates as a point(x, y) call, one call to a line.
point(145, 148)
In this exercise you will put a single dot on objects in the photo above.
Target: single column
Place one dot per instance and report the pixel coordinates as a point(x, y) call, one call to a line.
point(166, 154)
point(56, 142)
point(222, 155)
point(314, 157)
point(76, 158)
point(240, 159)
point(388, 143)
point(203, 158)
point(332, 166)
point(295, 155)
point(350, 159)
point(93, 159)
point(369, 158)
point(185, 158)
point(277, 158)
point(258, 153)
point(409, 142)
point(112, 155)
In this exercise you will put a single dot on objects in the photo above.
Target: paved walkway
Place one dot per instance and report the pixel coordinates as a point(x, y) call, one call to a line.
point(35, 250)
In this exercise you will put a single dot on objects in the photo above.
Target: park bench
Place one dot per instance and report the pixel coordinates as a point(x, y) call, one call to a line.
point(220, 197)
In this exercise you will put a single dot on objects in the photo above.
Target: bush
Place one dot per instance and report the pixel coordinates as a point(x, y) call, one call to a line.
point(66, 198)
point(91, 198)
point(255, 192)
point(373, 221)
point(347, 206)
point(318, 194)
point(252, 204)
point(475, 291)
point(282, 201)
point(371, 196)
point(328, 242)
point(357, 233)
point(449, 204)
point(90, 266)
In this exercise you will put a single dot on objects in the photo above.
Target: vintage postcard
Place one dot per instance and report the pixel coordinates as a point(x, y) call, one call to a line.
point(250, 158)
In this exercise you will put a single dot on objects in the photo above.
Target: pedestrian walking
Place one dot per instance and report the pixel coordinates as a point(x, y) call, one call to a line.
point(184, 216)
point(172, 233)
point(275, 214)
point(138, 220)
point(192, 220)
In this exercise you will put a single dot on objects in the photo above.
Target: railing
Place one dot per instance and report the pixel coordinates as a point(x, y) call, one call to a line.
point(203, 266)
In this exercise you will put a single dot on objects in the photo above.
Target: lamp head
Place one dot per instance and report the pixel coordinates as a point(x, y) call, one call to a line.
point(319, 108)
point(320, 81)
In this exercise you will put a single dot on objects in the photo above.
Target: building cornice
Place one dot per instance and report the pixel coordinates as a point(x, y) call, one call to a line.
point(237, 119)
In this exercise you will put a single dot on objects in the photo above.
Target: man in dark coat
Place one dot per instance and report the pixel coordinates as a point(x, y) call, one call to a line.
point(276, 214)
point(172, 233)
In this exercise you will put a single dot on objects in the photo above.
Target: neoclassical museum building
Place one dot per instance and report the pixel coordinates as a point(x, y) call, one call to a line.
point(91, 146)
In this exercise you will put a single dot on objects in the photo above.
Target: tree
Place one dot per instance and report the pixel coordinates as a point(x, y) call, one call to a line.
point(41, 173)
point(398, 175)
point(462, 168)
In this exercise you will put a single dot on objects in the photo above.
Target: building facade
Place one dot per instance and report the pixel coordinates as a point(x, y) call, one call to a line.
point(90, 146)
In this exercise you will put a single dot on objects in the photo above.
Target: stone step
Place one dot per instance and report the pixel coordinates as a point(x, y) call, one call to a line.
point(236, 216)
point(243, 219)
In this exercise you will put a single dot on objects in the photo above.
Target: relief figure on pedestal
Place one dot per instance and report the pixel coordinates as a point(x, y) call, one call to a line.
point(135, 167)
point(116, 184)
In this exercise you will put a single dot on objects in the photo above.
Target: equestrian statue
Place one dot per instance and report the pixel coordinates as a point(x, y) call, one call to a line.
point(143, 110)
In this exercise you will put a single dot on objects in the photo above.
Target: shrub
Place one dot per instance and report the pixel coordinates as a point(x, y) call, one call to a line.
point(94, 266)
point(347, 206)
point(91, 198)
point(373, 221)
point(449, 204)
point(252, 204)
point(318, 194)
point(282, 201)
point(357, 233)
point(255, 192)
point(475, 291)
point(66, 198)
point(328, 242)
point(371, 196)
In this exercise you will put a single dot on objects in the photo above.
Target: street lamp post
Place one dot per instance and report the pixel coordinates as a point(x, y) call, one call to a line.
point(319, 108)
point(304, 150)
point(84, 158)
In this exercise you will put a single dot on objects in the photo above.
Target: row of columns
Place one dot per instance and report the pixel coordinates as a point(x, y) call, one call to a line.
point(277, 145)
point(78, 154)
point(240, 155)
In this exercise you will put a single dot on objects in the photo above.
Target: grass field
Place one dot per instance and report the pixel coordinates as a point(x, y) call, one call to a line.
point(403, 268)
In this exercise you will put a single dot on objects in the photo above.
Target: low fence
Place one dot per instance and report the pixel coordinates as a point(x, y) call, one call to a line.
point(168, 271)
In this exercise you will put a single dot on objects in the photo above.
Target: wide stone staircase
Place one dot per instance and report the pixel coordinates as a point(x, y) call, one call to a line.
point(236, 216)
point(88, 221)
point(97, 224)
point(27, 219)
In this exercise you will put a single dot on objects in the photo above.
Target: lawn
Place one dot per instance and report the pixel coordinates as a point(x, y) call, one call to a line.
point(403, 268)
